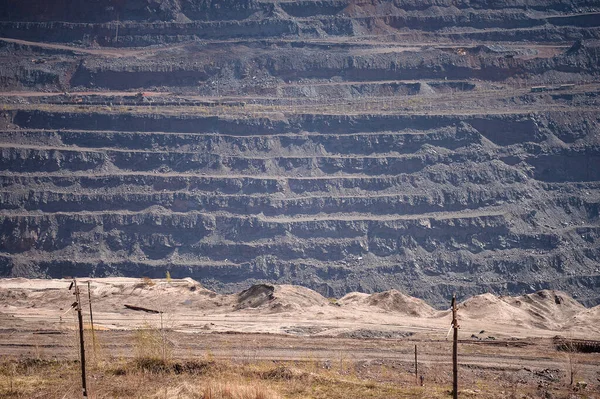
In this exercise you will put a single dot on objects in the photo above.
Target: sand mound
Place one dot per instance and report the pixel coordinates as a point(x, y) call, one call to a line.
point(353, 298)
point(189, 305)
point(280, 298)
point(556, 306)
point(489, 306)
point(543, 309)
point(300, 298)
point(390, 301)
point(167, 295)
point(255, 296)
point(395, 301)
point(586, 319)
point(112, 294)
point(21, 292)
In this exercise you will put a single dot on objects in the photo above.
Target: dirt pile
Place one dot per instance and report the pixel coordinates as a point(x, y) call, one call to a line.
point(161, 295)
point(255, 296)
point(297, 298)
point(391, 301)
point(554, 305)
point(113, 294)
point(587, 318)
point(125, 303)
point(280, 298)
point(544, 309)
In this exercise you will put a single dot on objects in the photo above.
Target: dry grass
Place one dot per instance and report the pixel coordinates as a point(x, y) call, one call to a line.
point(152, 344)
point(254, 390)
point(146, 282)
point(216, 390)
point(139, 370)
point(144, 377)
point(202, 380)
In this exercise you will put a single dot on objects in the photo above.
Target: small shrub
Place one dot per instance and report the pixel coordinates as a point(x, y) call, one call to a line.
point(147, 282)
point(152, 365)
point(278, 373)
point(152, 344)
point(333, 301)
point(192, 367)
point(238, 391)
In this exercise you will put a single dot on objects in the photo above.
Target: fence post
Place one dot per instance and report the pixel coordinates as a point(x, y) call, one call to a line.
point(92, 320)
point(81, 342)
point(454, 350)
point(416, 367)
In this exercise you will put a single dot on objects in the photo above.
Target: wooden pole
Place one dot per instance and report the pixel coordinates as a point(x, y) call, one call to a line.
point(454, 350)
point(162, 338)
point(92, 319)
point(416, 367)
point(81, 342)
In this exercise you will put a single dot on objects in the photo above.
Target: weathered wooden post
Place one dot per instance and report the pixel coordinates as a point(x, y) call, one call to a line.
point(92, 320)
point(81, 342)
point(454, 350)
point(416, 367)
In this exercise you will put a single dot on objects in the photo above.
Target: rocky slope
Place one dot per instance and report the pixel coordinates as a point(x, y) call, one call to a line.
point(340, 146)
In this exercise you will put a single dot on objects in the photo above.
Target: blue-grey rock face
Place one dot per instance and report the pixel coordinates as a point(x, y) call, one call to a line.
point(432, 148)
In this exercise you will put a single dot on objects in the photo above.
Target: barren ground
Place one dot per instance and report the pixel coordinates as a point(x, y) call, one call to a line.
point(507, 345)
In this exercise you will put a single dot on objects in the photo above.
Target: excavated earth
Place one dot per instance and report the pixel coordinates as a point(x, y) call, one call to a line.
point(186, 306)
point(428, 147)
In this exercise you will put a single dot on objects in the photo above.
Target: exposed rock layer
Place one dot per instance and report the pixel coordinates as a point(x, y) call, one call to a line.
point(338, 146)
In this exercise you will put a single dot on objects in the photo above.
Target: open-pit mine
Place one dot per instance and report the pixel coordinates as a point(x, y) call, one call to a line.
point(418, 148)
point(431, 147)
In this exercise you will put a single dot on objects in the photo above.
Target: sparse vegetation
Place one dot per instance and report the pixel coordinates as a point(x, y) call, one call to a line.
point(152, 345)
point(147, 282)
point(158, 354)
point(146, 377)
point(570, 350)
point(333, 301)
point(216, 380)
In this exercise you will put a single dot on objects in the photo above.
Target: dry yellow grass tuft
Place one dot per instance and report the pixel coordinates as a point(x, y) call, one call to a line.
point(147, 282)
point(217, 390)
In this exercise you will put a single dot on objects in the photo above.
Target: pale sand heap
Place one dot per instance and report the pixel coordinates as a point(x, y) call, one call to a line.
point(285, 309)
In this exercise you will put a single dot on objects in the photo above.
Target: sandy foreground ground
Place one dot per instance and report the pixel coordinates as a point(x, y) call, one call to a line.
point(504, 342)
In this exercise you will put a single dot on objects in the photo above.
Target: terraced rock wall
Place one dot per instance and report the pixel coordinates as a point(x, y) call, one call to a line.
point(431, 148)
point(427, 203)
